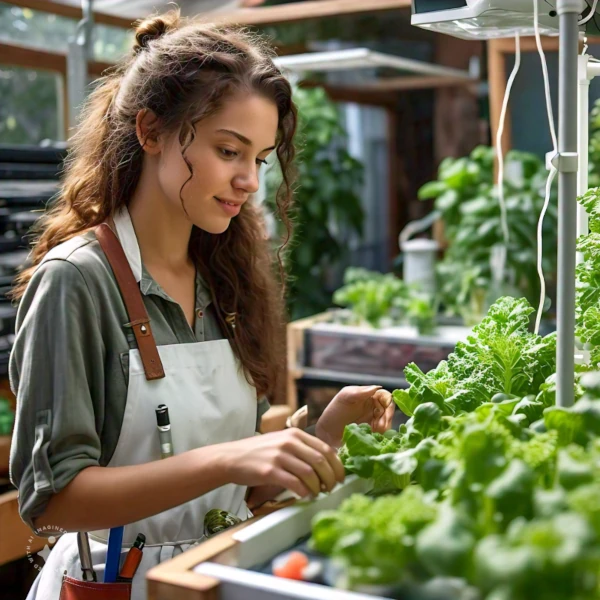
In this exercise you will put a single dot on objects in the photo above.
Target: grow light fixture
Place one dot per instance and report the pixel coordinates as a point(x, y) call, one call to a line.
point(363, 58)
point(487, 19)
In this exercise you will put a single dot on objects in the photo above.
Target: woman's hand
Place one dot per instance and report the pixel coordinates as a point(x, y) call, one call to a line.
point(292, 459)
point(355, 404)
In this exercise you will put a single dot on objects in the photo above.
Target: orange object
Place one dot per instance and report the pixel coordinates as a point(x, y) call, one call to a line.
point(291, 566)
point(133, 559)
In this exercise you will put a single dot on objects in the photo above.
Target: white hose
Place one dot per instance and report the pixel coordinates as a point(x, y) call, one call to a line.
point(590, 15)
point(553, 170)
point(501, 124)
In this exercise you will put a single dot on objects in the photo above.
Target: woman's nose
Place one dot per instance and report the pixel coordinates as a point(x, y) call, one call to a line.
point(248, 181)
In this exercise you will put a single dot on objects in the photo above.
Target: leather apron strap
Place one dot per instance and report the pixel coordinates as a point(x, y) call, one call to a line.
point(139, 320)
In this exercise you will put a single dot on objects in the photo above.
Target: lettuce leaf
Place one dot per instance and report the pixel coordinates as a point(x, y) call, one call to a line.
point(501, 356)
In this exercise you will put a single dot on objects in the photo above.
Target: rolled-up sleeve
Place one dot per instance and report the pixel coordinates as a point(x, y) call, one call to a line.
point(56, 371)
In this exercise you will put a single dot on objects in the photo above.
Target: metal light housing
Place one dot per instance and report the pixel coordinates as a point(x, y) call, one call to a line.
point(488, 19)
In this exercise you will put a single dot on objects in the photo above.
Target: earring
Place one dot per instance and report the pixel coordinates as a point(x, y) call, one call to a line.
point(230, 319)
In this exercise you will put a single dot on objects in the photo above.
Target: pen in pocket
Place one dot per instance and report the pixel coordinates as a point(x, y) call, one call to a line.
point(113, 554)
point(164, 431)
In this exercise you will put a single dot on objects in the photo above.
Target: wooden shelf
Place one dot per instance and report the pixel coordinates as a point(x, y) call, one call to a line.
point(303, 11)
point(4, 454)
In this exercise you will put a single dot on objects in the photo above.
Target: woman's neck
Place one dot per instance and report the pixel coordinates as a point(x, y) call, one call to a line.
point(163, 233)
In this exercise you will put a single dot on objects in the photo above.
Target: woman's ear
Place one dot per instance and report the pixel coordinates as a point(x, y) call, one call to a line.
point(147, 131)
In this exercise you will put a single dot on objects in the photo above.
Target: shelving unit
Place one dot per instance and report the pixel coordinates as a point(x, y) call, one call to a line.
point(322, 353)
point(28, 180)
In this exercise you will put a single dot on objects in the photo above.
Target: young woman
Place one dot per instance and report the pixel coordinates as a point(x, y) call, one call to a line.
point(152, 283)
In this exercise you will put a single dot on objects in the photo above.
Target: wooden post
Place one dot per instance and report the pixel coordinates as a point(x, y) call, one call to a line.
point(456, 114)
point(497, 82)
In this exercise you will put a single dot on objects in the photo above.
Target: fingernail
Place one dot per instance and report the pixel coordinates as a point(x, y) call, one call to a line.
point(323, 487)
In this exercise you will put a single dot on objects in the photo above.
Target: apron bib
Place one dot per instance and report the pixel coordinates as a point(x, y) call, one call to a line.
point(210, 402)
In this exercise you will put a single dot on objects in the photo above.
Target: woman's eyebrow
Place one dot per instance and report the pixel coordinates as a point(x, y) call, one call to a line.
point(241, 137)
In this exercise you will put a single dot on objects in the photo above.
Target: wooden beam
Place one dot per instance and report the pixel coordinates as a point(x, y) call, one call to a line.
point(31, 58)
point(549, 44)
point(383, 92)
point(354, 94)
point(302, 11)
point(97, 68)
point(267, 15)
point(72, 12)
point(398, 84)
point(27, 57)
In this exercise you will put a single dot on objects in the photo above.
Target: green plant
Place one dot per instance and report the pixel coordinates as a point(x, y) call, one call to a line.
point(500, 356)
point(376, 298)
point(327, 202)
point(7, 417)
point(504, 510)
point(467, 199)
point(514, 480)
point(588, 280)
point(421, 311)
point(594, 146)
point(370, 295)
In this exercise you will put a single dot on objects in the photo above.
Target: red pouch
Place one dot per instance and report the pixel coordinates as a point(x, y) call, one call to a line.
point(74, 589)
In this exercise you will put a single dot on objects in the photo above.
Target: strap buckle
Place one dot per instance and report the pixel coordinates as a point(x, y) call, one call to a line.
point(143, 323)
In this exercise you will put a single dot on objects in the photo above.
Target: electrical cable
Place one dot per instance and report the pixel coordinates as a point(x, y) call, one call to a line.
point(499, 152)
point(590, 15)
point(553, 170)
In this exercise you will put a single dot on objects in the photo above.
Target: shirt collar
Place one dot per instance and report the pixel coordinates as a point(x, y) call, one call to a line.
point(126, 234)
point(127, 237)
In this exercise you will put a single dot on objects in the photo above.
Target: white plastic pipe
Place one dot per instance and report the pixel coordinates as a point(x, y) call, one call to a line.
point(583, 91)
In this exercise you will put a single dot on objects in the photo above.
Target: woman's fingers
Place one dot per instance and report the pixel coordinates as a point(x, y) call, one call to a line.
point(290, 482)
point(302, 471)
point(383, 411)
point(389, 416)
point(328, 452)
point(322, 467)
point(383, 399)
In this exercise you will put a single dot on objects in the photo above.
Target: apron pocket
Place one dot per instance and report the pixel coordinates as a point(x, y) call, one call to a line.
point(74, 589)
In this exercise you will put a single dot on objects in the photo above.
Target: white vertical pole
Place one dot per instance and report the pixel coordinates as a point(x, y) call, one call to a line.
point(568, 122)
point(583, 91)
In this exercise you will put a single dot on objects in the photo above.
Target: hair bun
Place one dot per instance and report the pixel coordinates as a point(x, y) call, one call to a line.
point(153, 28)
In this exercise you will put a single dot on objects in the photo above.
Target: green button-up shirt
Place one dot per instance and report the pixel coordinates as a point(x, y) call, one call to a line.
point(70, 363)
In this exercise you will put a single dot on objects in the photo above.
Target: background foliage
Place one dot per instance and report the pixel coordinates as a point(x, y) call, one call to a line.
point(328, 207)
point(467, 198)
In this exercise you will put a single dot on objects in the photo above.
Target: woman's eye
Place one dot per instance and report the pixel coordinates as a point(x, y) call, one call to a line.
point(260, 161)
point(228, 153)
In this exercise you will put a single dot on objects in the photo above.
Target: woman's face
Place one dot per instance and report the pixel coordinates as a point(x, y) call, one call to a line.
point(225, 156)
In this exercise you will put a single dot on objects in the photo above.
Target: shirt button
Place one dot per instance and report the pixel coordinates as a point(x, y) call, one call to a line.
point(200, 314)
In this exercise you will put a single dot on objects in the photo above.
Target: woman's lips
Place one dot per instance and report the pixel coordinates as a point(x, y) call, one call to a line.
point(230, 208)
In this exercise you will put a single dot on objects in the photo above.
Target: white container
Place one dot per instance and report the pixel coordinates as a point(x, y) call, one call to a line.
point(419, 263)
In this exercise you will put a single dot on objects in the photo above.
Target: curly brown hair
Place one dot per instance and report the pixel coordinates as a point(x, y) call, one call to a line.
point(183, 70)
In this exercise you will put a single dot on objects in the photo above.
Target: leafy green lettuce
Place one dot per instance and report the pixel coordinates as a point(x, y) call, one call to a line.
point(501, 356)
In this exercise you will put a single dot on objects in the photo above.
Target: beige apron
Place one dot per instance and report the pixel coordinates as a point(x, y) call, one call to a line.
point(209, 402)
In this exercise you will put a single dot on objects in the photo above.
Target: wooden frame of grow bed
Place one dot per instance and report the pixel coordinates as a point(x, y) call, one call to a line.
point(179, 579)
